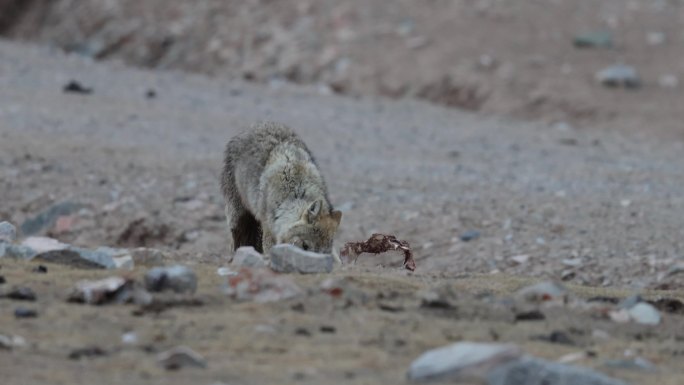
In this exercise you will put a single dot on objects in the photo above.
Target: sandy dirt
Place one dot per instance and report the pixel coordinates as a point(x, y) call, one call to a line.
point(146, 171)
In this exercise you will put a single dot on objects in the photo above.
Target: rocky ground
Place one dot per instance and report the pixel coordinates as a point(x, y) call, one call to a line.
point(102, 155)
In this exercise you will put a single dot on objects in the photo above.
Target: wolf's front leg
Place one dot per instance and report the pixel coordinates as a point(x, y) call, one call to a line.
point(267, 241)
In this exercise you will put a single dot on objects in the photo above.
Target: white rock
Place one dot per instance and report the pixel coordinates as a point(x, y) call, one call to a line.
point(43, 244)
point(130, 338)
point(287, 258)
point(520, 259)
point(463, 360)
point(644, 313)
point(125, 262)
point(246, 256)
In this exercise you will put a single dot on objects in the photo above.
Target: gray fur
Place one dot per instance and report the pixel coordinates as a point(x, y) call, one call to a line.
point(274, 192)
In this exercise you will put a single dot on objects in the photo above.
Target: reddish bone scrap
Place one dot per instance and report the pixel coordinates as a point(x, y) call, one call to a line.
point(376, 244)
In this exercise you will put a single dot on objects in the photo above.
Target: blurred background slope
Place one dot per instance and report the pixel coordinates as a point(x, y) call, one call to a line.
point(515, 58)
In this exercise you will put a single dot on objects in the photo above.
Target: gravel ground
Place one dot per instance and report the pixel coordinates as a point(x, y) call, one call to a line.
point(595, 208)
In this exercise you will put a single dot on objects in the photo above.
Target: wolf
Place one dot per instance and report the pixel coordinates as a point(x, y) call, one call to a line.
point(274, 192)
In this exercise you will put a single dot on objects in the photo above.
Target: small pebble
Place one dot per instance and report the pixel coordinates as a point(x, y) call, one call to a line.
point(21, 293)
point(22, 312)
point(39, 269)
point(470, 235)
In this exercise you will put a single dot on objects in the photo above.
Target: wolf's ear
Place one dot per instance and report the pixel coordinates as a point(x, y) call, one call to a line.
point(336, 216)
point(313, 211)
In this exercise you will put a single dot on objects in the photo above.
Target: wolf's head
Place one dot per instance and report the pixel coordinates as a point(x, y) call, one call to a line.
point(314, 230)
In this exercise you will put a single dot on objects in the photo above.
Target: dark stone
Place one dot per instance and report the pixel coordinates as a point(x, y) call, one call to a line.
point(556, 337)
point(22, 312)
point(21, 293)
point(533, 315)
point(77, 88)
point(470, 235)
point(87, 352)
point(40, 269)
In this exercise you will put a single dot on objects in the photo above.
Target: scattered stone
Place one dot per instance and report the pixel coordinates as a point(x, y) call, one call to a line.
point(246, 256)
point(225, 272)
point(47, 218)
point(180, 357)
point(130, 338)
point(327, 329)
point(177, 278)
point(598, 39)
point(532, 315)
point(544, 291)
point(655, 38)
point(77, 88)
point(462, 361)
point(304, 332)
point(530, 370)
point(40, 269)
point(8, 233)
point(43, 244)
point(520, 259)
point(470, 235)
point(10, 342)
point(87, 352)
point(644, 313)
point(668, 81)
point(21, 293)
point(442, 297)
point(619, 316)
point(22, 312)
point(2, 279)
point(619, 75)
point(556, 337)
point(120, 258)
point(261, 285)
point(287, 258)
point(74, 257)
point(108, 290)
point(637, 363)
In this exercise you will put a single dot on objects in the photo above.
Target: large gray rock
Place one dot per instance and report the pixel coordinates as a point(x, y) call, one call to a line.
point(177, 278)
point(16, 251)
point(530, 370)
point(462, 361)
point(8, 233)
point(102, 257)
point(287, 258)
point(246, 256)
point(48, 217)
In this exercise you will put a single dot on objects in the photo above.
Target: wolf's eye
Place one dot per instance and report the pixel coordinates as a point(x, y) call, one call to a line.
point(305, 246)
